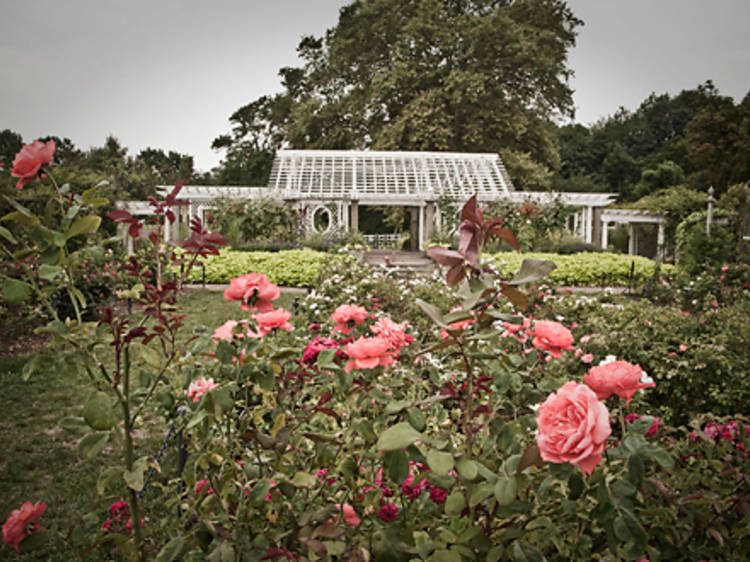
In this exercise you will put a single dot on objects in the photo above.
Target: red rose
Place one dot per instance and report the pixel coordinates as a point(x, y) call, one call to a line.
point(573, 427)
point(552, 337)
point(30, 159)
point(617, 377)
point(22, 522)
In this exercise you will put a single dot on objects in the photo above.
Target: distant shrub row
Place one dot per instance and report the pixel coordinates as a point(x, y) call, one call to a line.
point(291, 268)
point(585, 268)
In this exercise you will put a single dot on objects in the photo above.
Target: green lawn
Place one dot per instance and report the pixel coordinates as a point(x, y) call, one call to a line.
point(38, 459)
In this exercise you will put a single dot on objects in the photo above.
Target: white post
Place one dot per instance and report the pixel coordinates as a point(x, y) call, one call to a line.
point(589, 218)
point(631, 240)
point(605, 234)
point(660, 241)
point(710, 214)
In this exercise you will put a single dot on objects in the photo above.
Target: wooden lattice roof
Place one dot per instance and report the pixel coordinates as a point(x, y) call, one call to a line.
point(383, 176)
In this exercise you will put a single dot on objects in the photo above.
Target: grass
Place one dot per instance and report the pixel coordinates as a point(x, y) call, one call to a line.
point(38, 458)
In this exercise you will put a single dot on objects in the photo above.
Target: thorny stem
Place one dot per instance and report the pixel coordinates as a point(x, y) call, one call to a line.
point(135, 513)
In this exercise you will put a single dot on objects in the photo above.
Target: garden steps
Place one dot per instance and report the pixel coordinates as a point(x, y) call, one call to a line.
point(417, 262)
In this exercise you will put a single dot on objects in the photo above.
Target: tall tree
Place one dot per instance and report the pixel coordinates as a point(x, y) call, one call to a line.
point(461, 75)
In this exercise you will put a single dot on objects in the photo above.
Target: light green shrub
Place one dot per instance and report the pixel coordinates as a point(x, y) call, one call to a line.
point(585, 268)
point(295, 268)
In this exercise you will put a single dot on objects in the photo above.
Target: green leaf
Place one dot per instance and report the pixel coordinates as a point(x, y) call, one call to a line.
point(49, 272)
point(396, 464)
point(506, 490)
point(172, 550)
point(91, 445)
point(83, 225)
point(416, 418)
point(5, 233)
point(14, 291)
point(304, 479)
point(18, 207)
point(621, 529)
point(432, 312)
point(444, 555)
point(455, 503)
point(259, 491)
point(575, 486)
point(225, 352)
point(532, 270)
point(396, 406)
point(623, 488)
point(16, 216)
point(30, 367)
point(98, 411)
point(398, 436)
point(530, 456)
point(659, 455)
point(440, 463)
point(107, 476)
point(78, 426)
point(467, 469)
point(51, 256)
point(480, 492)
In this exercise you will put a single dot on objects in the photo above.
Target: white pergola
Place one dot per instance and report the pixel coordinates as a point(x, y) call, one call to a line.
point(334, 183)
point(589, 205)
point(328, 186)
point(633, 217)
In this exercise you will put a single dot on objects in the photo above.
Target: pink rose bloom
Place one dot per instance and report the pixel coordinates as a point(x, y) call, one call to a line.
point(392, 332)
point(725, 268)
point(456, 325)
point(254, 290)
point(350, 516)
point(203, 484)
point(651, 430)
point(275, 320)
point(22, 523)
point(347, 316)
point(368, 353)
point(552, 337)
point(317, 345)
point(588, 358)
point(618, 377)
point(199, 387)
point(30, 160)
point(517, 331)
point(226, 331)
point(573, 427)
point(683, 347)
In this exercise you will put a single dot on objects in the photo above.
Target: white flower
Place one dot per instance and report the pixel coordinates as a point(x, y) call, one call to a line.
point(645, 379)
point(608, 359)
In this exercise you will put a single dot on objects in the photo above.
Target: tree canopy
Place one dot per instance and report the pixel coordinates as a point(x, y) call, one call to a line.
point(448, 75)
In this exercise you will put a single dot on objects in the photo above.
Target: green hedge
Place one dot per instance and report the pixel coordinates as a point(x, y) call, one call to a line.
point(291, 268)
point(585, 268)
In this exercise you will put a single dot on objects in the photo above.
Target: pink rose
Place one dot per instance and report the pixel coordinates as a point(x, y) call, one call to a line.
point(22, 523)
point(368, 353)
point(388, 512)
point(456, 325)
point(573, 427)
point(30, 159)
point(275, 320)
point(587, 358)
point(199, 387)
point(226, 331)
point(254, 290)
point(552, 337)
point(346, 316)
point(394, 333)
point(350, 516)
point(683, 348)
point(517, 331)
point(618, 377)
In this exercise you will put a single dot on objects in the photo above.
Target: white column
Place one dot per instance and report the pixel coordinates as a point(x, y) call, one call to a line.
point(660, 241)
point(588, 225)
point(632, 242)
point(605, 234)
point(421, 227)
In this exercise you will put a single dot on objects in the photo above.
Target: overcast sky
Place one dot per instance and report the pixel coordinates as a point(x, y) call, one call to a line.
point(169, 73)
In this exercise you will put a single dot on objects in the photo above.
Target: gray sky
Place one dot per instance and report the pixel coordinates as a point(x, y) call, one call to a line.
point(168, 73)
